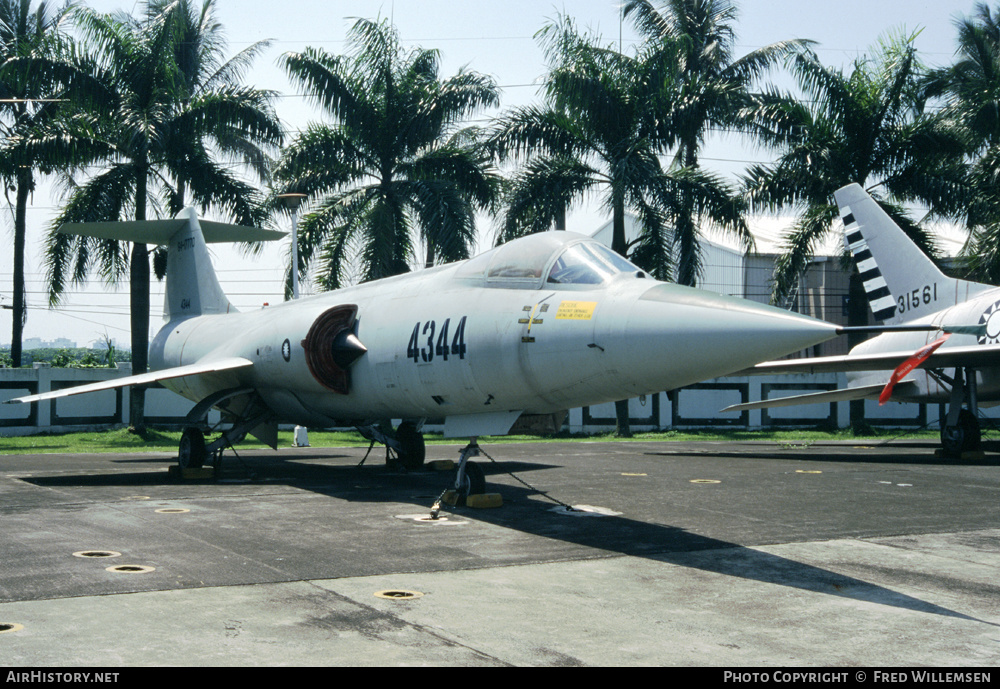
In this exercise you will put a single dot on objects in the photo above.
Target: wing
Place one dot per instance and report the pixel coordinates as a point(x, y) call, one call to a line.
point(826, 396)
point(200, 368)
point(975, 356)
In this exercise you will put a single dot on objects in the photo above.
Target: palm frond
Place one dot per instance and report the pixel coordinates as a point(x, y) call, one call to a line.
point(799, 247)
point(542, 192)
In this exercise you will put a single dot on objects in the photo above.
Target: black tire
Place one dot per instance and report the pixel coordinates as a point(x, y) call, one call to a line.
point(964, 436)
point(191, 453)
point(474, 482)
point(412, 451)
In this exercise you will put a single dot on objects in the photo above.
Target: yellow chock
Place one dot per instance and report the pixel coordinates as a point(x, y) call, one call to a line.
point(484, 500)
point(450, 497)
point(189, 474)
point(967, 455)
point(441, 465)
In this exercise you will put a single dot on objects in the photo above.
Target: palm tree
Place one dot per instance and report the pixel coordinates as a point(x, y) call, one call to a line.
point(869, 127)
point(971, 89)
point(150, 136)
point(693, 41)
point(601, 132)
point(199, 45)
point(393, 156)
point(24, 103)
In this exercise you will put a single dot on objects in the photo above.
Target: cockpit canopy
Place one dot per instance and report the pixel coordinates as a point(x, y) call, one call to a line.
point(548, 259)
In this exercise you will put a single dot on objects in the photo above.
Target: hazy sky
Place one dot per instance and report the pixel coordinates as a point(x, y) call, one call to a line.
point(494, 38)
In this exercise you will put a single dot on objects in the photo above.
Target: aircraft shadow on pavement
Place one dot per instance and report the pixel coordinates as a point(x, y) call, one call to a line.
point(528, 511)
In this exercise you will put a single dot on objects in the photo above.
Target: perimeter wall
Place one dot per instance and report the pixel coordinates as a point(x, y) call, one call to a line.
point(696, 406)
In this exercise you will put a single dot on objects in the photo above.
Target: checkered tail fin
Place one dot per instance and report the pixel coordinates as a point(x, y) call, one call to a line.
point(901, 282)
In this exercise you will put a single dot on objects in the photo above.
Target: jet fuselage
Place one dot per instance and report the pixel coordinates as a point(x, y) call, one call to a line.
point(978, 308)
point(527, 327)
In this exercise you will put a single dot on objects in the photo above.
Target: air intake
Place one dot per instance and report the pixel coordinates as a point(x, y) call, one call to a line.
point(331, 347)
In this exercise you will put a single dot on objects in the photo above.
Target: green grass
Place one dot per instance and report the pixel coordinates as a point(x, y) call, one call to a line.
point(123, 440)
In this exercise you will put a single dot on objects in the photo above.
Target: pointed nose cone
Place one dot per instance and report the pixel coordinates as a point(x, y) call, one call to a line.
point(347, 349)
point(686, 335)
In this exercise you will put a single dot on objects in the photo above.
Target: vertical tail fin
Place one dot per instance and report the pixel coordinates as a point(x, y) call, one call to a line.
point(901, 282)
point(192, 286)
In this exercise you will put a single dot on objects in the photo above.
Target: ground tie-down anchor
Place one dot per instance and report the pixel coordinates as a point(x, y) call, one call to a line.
point(465, 485)
point(436, 507)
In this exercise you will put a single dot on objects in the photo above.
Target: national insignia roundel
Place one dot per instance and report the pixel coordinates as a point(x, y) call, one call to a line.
point(286, 350)
point(991, 318)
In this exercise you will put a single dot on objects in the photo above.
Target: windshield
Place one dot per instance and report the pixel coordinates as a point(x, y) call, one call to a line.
point(587, 263)
point(553, 258)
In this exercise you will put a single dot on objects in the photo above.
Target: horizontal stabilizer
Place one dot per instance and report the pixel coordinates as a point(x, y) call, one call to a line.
point(159, 232)
point(825, 397)
point(200, 368)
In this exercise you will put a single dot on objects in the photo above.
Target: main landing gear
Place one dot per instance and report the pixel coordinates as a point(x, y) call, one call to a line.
point(194, 451)
point(249, 416)
point(405, 447)
point(960, 431)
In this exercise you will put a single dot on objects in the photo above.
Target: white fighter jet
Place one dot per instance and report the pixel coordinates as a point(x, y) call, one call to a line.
point(959, 364)
point(548, 322)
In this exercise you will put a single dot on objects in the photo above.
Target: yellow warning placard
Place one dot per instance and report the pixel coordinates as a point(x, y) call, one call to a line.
point(576, 310)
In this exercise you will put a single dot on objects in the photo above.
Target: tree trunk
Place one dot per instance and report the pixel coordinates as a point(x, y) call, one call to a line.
point(857, 315)
point(686, 232)
point(139, 307)
point(619, 244)
point(139, 321)
point(24, 188)
point(623, 425)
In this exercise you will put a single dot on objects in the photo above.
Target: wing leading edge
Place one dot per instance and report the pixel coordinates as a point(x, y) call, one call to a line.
point(976, 356)
point(825, 397)
point(201, 368)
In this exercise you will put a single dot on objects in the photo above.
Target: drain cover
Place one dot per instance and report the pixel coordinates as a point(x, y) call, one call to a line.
point(172, 510)
point(396, 594)
point(130, 569)
point(10, 627)
point(96, 553)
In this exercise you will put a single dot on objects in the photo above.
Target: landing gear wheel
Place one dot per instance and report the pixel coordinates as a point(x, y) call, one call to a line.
point(473, 483)
point(191, 454)
point(964, 436)
point(411, 447)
